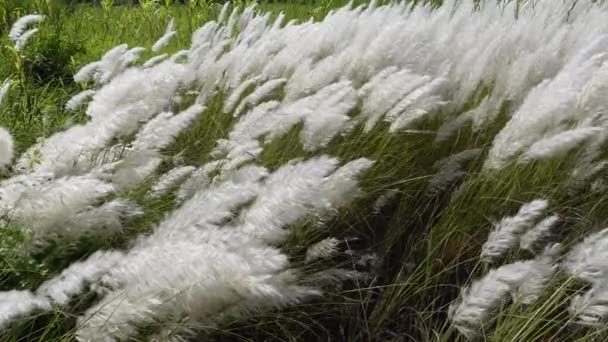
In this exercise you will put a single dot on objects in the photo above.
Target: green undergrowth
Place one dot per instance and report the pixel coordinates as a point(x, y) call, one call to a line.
point(425, 245)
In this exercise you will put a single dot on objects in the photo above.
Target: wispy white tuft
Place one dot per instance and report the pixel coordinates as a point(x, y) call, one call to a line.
point(106, 219)
point(479, 303)
point(586, 172)
point(170, 180)
point(222, 16)
point(550, 105)
point(341, 188)
point(24, 39)
point(170, 32)
point(591, 308)
point(506, 234)
point(130, 57)
point(235, 154)
point(135, 168)
point(20, 27)
point(6, 147)
point(295, 189)
point(538, 233)
point(542, 270)
point(324, 115)
point(198, 179)
point(474, 310)
point(286, 197)
point(239, 273)
point(79, 99)
point(161, 131)
point(237, 93)
point(112, 63)
point(73, 280)
point(322, 249)
point(155, 60)
point(559, 143)
point(588, 260)
point(87, 72)
point(48, 211)
point(417, 104)
point(384, 91)
point(259, 94)
point(14, 304)
point(4, 90)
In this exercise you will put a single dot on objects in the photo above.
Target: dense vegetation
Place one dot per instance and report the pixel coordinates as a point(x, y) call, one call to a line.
point(387, 172)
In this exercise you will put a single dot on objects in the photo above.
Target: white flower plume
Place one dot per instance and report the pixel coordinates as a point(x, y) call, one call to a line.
point(20, 27)
point(163, 41)
point(524, 281)
point(588, 260)
point(506, 234)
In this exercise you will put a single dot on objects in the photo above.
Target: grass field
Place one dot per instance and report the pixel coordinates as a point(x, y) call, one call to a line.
point(225, 253)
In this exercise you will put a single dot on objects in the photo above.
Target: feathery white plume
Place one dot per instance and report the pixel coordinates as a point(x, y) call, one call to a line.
point(559, 143)
point(236, 154)
point(237, 93)
point(166, 38)
point(480, 301)
point(286, 197)
point(21, 26)
point(548, 107)
point(24, 39)
point(542, 269)
point(87, 72)
point(14, 304)
point(155, 60)
point(296, 189)
point(590, 308)
point(79, 99)
point(6, 147)
point(47, 211)
point(588, 260)
point(161, 131)
point(324, 115)
point(222, 16)
point(106, 219)
point(135, 168)
point(340, 188)
point(538, 233)
point(198, 179)
point(170, 180)
point(385, 90)
point(506, 234)
point(417, 104)
point(259, 94)
point(322, 249)
point(4, 90)
point(237, 271)
point(111, 64)
point(330, 118)
point(73, 280)
point(523, 280)
point(130, 57)
point(240, 272)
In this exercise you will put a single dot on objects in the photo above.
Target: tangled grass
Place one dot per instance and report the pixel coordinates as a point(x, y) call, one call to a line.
point(382, 172)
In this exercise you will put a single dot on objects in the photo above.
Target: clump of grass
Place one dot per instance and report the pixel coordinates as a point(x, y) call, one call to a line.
point(293, 134)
